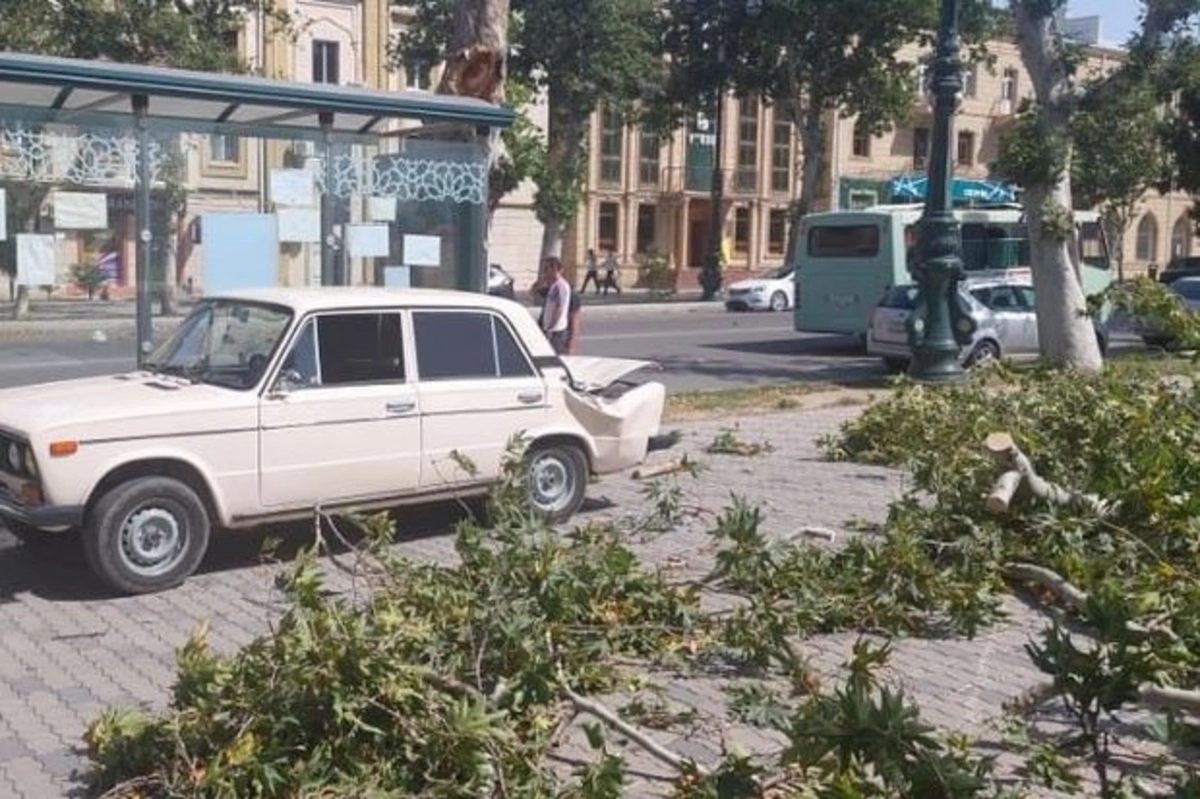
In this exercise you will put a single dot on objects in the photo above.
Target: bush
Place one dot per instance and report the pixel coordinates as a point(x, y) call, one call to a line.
point(655, 273)
point(89, 277)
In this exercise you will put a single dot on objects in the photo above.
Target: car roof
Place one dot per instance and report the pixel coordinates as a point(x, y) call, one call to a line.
point(305, 299)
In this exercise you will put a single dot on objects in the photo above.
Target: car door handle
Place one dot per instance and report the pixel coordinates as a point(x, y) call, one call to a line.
point(402, 407)
point(530, 397)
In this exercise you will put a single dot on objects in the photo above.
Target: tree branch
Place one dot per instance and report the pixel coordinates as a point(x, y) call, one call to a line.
point(1006, 454)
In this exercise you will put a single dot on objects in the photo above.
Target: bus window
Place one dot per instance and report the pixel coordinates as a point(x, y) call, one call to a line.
point(843, 241)
point(1092, 245)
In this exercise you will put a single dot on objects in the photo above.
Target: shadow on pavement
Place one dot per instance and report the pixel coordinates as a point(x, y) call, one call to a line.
point(801, 360)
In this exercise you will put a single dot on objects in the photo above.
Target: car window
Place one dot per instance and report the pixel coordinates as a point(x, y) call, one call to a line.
point(901, 297)
point(999, 298)
point(347, 349)
point(458, 345)
point(1027, 297)
point(1188, 289)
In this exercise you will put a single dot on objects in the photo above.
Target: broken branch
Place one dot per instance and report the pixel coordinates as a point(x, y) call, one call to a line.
point(1001, 497)
point(1007, 454)
point(658, 469)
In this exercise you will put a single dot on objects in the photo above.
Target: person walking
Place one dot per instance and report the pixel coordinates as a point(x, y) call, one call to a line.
point(592, 275)
point(610, 273)
point(556, 310)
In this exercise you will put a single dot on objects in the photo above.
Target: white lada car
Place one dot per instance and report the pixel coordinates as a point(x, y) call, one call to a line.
point(264, 405)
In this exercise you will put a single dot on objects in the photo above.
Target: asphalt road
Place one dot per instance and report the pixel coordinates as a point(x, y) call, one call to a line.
point(698, 349)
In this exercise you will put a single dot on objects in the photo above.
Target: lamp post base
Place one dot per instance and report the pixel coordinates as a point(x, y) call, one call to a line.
point(936, 366)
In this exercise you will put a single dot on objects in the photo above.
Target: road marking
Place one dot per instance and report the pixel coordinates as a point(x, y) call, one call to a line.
point(80, 363)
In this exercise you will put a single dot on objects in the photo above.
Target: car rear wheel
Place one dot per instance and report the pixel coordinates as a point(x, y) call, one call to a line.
point(779, 301)
point(986, 353)
point(146, 534)
point(557, 480)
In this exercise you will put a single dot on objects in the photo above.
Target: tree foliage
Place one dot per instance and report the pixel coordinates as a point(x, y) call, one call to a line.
point(577, 56)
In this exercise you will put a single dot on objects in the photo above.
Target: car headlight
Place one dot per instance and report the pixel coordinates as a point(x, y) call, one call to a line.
point(758, 289)
point(14, 457)
point(30, 463)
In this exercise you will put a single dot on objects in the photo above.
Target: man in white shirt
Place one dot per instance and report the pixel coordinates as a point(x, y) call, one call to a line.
point(556, 313)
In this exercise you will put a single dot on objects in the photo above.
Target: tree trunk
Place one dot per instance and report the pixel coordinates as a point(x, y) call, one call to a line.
point(1065, 334)
point(21, 303)
point(811, 123)
point(552, 238)
point(556, 200)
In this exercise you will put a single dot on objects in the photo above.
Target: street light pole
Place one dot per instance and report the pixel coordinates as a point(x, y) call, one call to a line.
point(939, 327)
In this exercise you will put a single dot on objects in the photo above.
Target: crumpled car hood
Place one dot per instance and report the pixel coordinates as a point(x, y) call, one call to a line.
point(593, 373)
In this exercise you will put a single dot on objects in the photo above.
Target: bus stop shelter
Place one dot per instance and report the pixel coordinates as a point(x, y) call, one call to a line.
point(415, 148)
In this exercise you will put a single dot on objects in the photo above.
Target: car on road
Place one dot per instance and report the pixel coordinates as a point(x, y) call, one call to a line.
point(1004, 310)
point(500, 282)
point(1180, 267)
point(1184, 289)
point(773, 291)
point(268, 404)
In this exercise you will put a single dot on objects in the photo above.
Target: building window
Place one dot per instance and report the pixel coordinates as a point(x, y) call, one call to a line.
point(781, 154)
point(1181, 238)
point(612, 129)
point(647, 222)
point(777, 231)
point(224, 148)
point(608, 227)
point(966, 148)
point(1008, 86)
point(741, 231)
point(920, 147)
point(971, 82)
point(418, 75)
point(1147, 238)
point(861, 148)
point(326, 59)
point(648, 148)
point(747, 160)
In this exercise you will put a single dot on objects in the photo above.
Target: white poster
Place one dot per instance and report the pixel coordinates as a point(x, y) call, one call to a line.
point(78, 210)
point(293, 187)
point(367, 241)
point(3, 216)
point(397, 277)
point(299, 224)
point(423, 250)
point(381, 209)
point(35, 259)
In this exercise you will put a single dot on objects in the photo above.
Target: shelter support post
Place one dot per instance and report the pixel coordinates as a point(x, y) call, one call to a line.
point(141, 212)
point(329, 261)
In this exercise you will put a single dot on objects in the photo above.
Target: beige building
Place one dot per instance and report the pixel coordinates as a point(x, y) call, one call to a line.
point(644, 194)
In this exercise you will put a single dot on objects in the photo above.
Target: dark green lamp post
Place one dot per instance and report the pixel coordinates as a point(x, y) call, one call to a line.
point(940, 326)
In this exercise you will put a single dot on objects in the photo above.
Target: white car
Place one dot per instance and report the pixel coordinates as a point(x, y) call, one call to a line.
point(775, 291)
point(267, 404)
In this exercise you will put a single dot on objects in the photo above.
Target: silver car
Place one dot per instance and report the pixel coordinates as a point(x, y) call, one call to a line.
point(1004, 311)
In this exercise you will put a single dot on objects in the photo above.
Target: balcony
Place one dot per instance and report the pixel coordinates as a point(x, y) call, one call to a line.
point(698, 179)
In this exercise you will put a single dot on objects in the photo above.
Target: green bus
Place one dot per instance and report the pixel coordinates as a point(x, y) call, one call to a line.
point(846, 260)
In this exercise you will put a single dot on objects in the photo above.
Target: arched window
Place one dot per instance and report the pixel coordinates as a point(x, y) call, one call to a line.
point(1147, 238)
point(1181, 238)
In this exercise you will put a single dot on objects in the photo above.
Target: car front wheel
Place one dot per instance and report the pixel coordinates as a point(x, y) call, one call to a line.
point(985, 354)
point(779, 301)
point(557, 480)
point(146, 534)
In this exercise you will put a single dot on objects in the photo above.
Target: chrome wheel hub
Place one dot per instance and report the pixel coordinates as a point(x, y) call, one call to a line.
point(550, 483)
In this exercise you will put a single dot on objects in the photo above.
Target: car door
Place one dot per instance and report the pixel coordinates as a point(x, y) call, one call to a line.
point(1028, 302)
point(1008, 317)
point(341, 419)
point(477, 389)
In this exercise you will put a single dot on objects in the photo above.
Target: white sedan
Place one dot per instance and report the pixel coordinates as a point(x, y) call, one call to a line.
point(775, 291)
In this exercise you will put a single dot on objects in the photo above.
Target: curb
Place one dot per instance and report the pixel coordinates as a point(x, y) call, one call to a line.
point(76, 329)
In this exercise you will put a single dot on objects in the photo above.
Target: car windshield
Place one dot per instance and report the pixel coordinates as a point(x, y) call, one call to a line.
point(780, 273)
point(902, 297)
point(223, 342)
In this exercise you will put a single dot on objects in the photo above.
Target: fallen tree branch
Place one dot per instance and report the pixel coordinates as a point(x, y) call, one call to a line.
point(610, 718)
point(1006, 454)
point(1073, 596)
point(1001, 497)
point(659, 469)
point(1166, 698)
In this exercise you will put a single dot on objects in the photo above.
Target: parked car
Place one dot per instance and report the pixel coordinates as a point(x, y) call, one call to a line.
point(1180, 267)
point(775, 291)
point(1187, 291)
point(266, 404)
point(500, 282)
point(1004, 311)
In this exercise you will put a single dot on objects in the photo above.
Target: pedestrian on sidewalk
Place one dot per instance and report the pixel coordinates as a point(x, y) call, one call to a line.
point(556, 307)
point(593, 274)
point(610, 273)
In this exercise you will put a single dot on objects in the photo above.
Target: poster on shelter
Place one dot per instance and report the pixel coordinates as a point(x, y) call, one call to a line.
point(299, 224)
point(35, 259)
point(367, 241)
point(296, 188)
point(381, 209)
point(80, 210)
point(422, 250)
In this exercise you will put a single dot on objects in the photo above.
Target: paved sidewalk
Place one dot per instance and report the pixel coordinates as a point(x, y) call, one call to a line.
point(65, 653)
